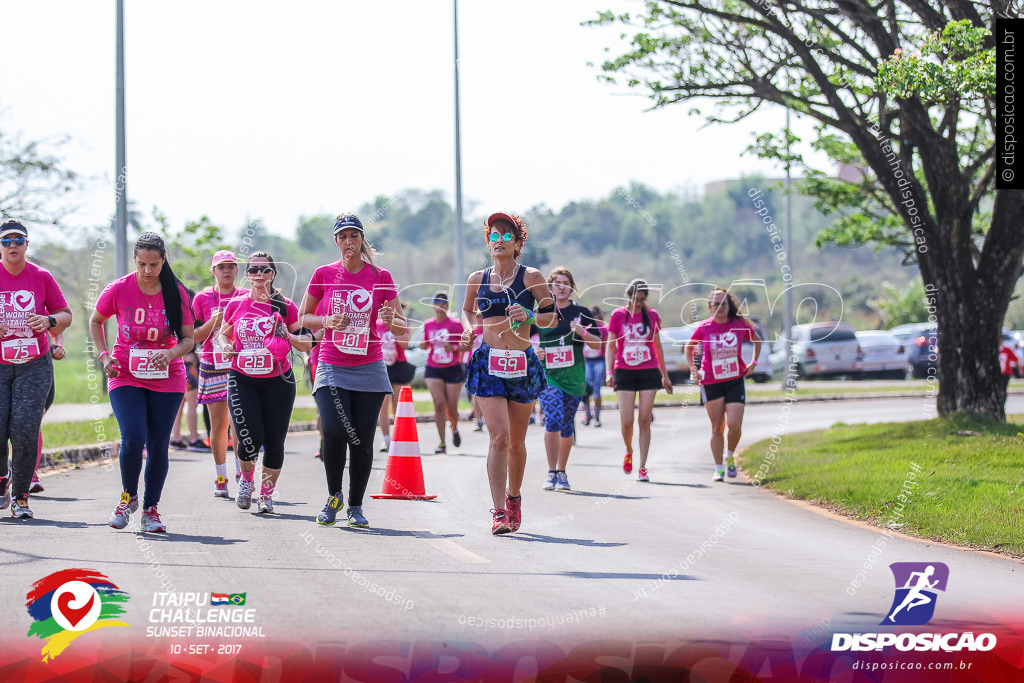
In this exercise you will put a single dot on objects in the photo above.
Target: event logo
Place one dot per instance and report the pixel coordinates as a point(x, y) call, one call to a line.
point(69, 603)
point(24, 300)
point(916, 583)
point(359, 300)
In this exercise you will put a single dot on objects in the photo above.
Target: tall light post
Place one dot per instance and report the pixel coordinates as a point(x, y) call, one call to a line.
point(460, 266)
point(788, 381)
point(121, 175)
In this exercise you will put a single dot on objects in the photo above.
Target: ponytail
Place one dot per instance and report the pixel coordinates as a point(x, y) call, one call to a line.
point(169, 283)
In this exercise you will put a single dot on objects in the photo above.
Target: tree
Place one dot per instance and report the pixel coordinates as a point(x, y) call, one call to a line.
point(33, 182)
point(899, 306)
point(921, 131)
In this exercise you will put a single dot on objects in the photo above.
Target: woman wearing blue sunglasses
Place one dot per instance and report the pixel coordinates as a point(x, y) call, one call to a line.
point(31, 306)
point(505, 373)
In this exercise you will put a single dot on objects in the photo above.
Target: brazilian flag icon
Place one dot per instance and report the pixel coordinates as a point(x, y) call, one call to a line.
point(237, 598)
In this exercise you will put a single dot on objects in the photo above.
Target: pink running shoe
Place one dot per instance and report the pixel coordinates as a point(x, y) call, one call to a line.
point(500, 524)
point(515, 510)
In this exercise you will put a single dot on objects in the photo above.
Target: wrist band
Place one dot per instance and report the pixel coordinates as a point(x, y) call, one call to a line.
point(104, 353)
point(323, 321)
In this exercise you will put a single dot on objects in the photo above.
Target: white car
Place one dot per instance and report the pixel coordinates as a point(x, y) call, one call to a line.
point(821, 349)
point(884, 355)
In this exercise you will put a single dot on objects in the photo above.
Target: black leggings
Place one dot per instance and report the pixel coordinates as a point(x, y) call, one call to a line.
point(261, 408)
point(21, 412)
point(348, 419)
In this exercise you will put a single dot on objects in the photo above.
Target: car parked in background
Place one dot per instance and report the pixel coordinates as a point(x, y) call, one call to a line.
point(922, 359)
point(884, 355)
point(920, 341)
point(822, 349)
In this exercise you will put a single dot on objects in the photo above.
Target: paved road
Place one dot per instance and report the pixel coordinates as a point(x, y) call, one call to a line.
point(585, 565)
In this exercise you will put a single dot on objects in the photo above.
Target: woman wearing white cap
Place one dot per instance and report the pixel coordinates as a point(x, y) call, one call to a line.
point(505, 373)
point(31, 305)
point(351, 377)
point(214, 364)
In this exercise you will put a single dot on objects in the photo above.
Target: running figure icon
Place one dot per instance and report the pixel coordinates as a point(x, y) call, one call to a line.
point(915, 597)
point(917, 585)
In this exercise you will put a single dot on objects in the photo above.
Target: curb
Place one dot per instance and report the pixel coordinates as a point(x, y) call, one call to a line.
point(76, 455)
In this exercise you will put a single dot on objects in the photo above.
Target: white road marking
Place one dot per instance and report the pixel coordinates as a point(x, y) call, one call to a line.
point(450, 548)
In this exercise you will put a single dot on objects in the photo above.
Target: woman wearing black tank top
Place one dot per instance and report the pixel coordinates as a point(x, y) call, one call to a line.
point(505, 373)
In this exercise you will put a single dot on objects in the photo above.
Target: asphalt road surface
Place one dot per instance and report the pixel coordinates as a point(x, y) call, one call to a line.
point(612, 559)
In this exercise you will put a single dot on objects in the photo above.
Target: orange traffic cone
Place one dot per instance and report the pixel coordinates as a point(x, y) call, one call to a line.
point(403, 478)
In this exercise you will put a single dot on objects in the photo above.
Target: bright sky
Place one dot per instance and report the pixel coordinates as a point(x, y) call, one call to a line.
point(273, 111)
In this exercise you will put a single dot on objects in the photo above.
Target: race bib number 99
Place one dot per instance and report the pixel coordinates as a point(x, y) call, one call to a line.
point(506, 363)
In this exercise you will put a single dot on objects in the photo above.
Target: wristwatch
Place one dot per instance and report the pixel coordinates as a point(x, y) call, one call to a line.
point(53, 321)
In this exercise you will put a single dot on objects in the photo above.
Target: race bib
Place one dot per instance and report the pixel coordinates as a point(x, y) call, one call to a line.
point(354, 340)
point(559, 357)
point(725, 368)
point(255, 362)
point(220, 360)
point(442, 356)
point(636, 354)
point(20, 350)
point(139, 365)
point(506, 363)
point(390, 355)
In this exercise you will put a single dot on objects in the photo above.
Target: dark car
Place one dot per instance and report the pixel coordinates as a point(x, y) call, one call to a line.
point(923, 355)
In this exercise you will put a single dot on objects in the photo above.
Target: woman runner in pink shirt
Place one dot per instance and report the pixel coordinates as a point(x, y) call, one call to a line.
point(146, 376)
point(31, 306)
point(722, 373)
point(444, 373)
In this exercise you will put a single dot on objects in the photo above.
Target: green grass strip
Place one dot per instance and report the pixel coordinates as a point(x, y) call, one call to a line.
point(956, 480)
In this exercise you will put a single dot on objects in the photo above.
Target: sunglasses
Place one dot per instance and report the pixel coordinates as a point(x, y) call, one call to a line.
point(16, 241)
point(259, 270)
point(507, 237)
point(440, 302)
point(716, 304)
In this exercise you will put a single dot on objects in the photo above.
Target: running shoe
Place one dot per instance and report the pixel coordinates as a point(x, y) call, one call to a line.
point(5, 494)
point(317, 455)
point(642, 474)
point(561, 482)
point(515, 510)
point(199, 445)
point(238, 477)
point(245, 490)
point(121, 514)
point(479, 426)
point(597, 423)
point(383, 449)
point(356, 518)
point(36, 486)
point(730, 467)
point(719, 475)
point(456, 438)
point(441, 448)
point(265, 504)
point(151, 521)
point(179, 444)
point(500, 524)
point(19, 509)
point(220, 489)
point(627, 463)
point(329, 514)
point(549, 481)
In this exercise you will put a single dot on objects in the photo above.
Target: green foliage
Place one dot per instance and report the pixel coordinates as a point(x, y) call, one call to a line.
point(901, 305)
point(952, 65)
point(34, 185)
point(190, 248)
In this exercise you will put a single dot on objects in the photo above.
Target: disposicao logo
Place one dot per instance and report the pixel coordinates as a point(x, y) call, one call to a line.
point(916, 583)
point(69, 603)
point(914, 605)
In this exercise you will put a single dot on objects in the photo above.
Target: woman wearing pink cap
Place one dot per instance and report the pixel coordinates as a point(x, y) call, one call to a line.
point(146, 376)
point(259, 330)
point(31, 306)
point(214, 364)
point(505, 372)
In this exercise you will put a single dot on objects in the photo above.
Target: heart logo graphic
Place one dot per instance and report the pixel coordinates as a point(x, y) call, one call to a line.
point(76, 605)
point(25, 300)
point(729, 339)
point(72, 614)
point(360, 300)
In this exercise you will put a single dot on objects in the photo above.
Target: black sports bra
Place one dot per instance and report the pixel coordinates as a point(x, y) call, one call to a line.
point(493, 304)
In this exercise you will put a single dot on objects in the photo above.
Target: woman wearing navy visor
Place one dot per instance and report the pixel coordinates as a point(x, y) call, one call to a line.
point(505, 373)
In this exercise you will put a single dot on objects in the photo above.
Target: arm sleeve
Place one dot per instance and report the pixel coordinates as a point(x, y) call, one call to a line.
point(106, 305)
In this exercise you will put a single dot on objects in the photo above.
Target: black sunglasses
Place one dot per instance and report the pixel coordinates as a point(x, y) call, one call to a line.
point(16, 241)
point(259, 270)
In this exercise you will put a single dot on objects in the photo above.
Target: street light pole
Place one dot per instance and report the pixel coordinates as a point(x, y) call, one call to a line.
point(460, 266)
point(121, 217)
point(788, 381)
